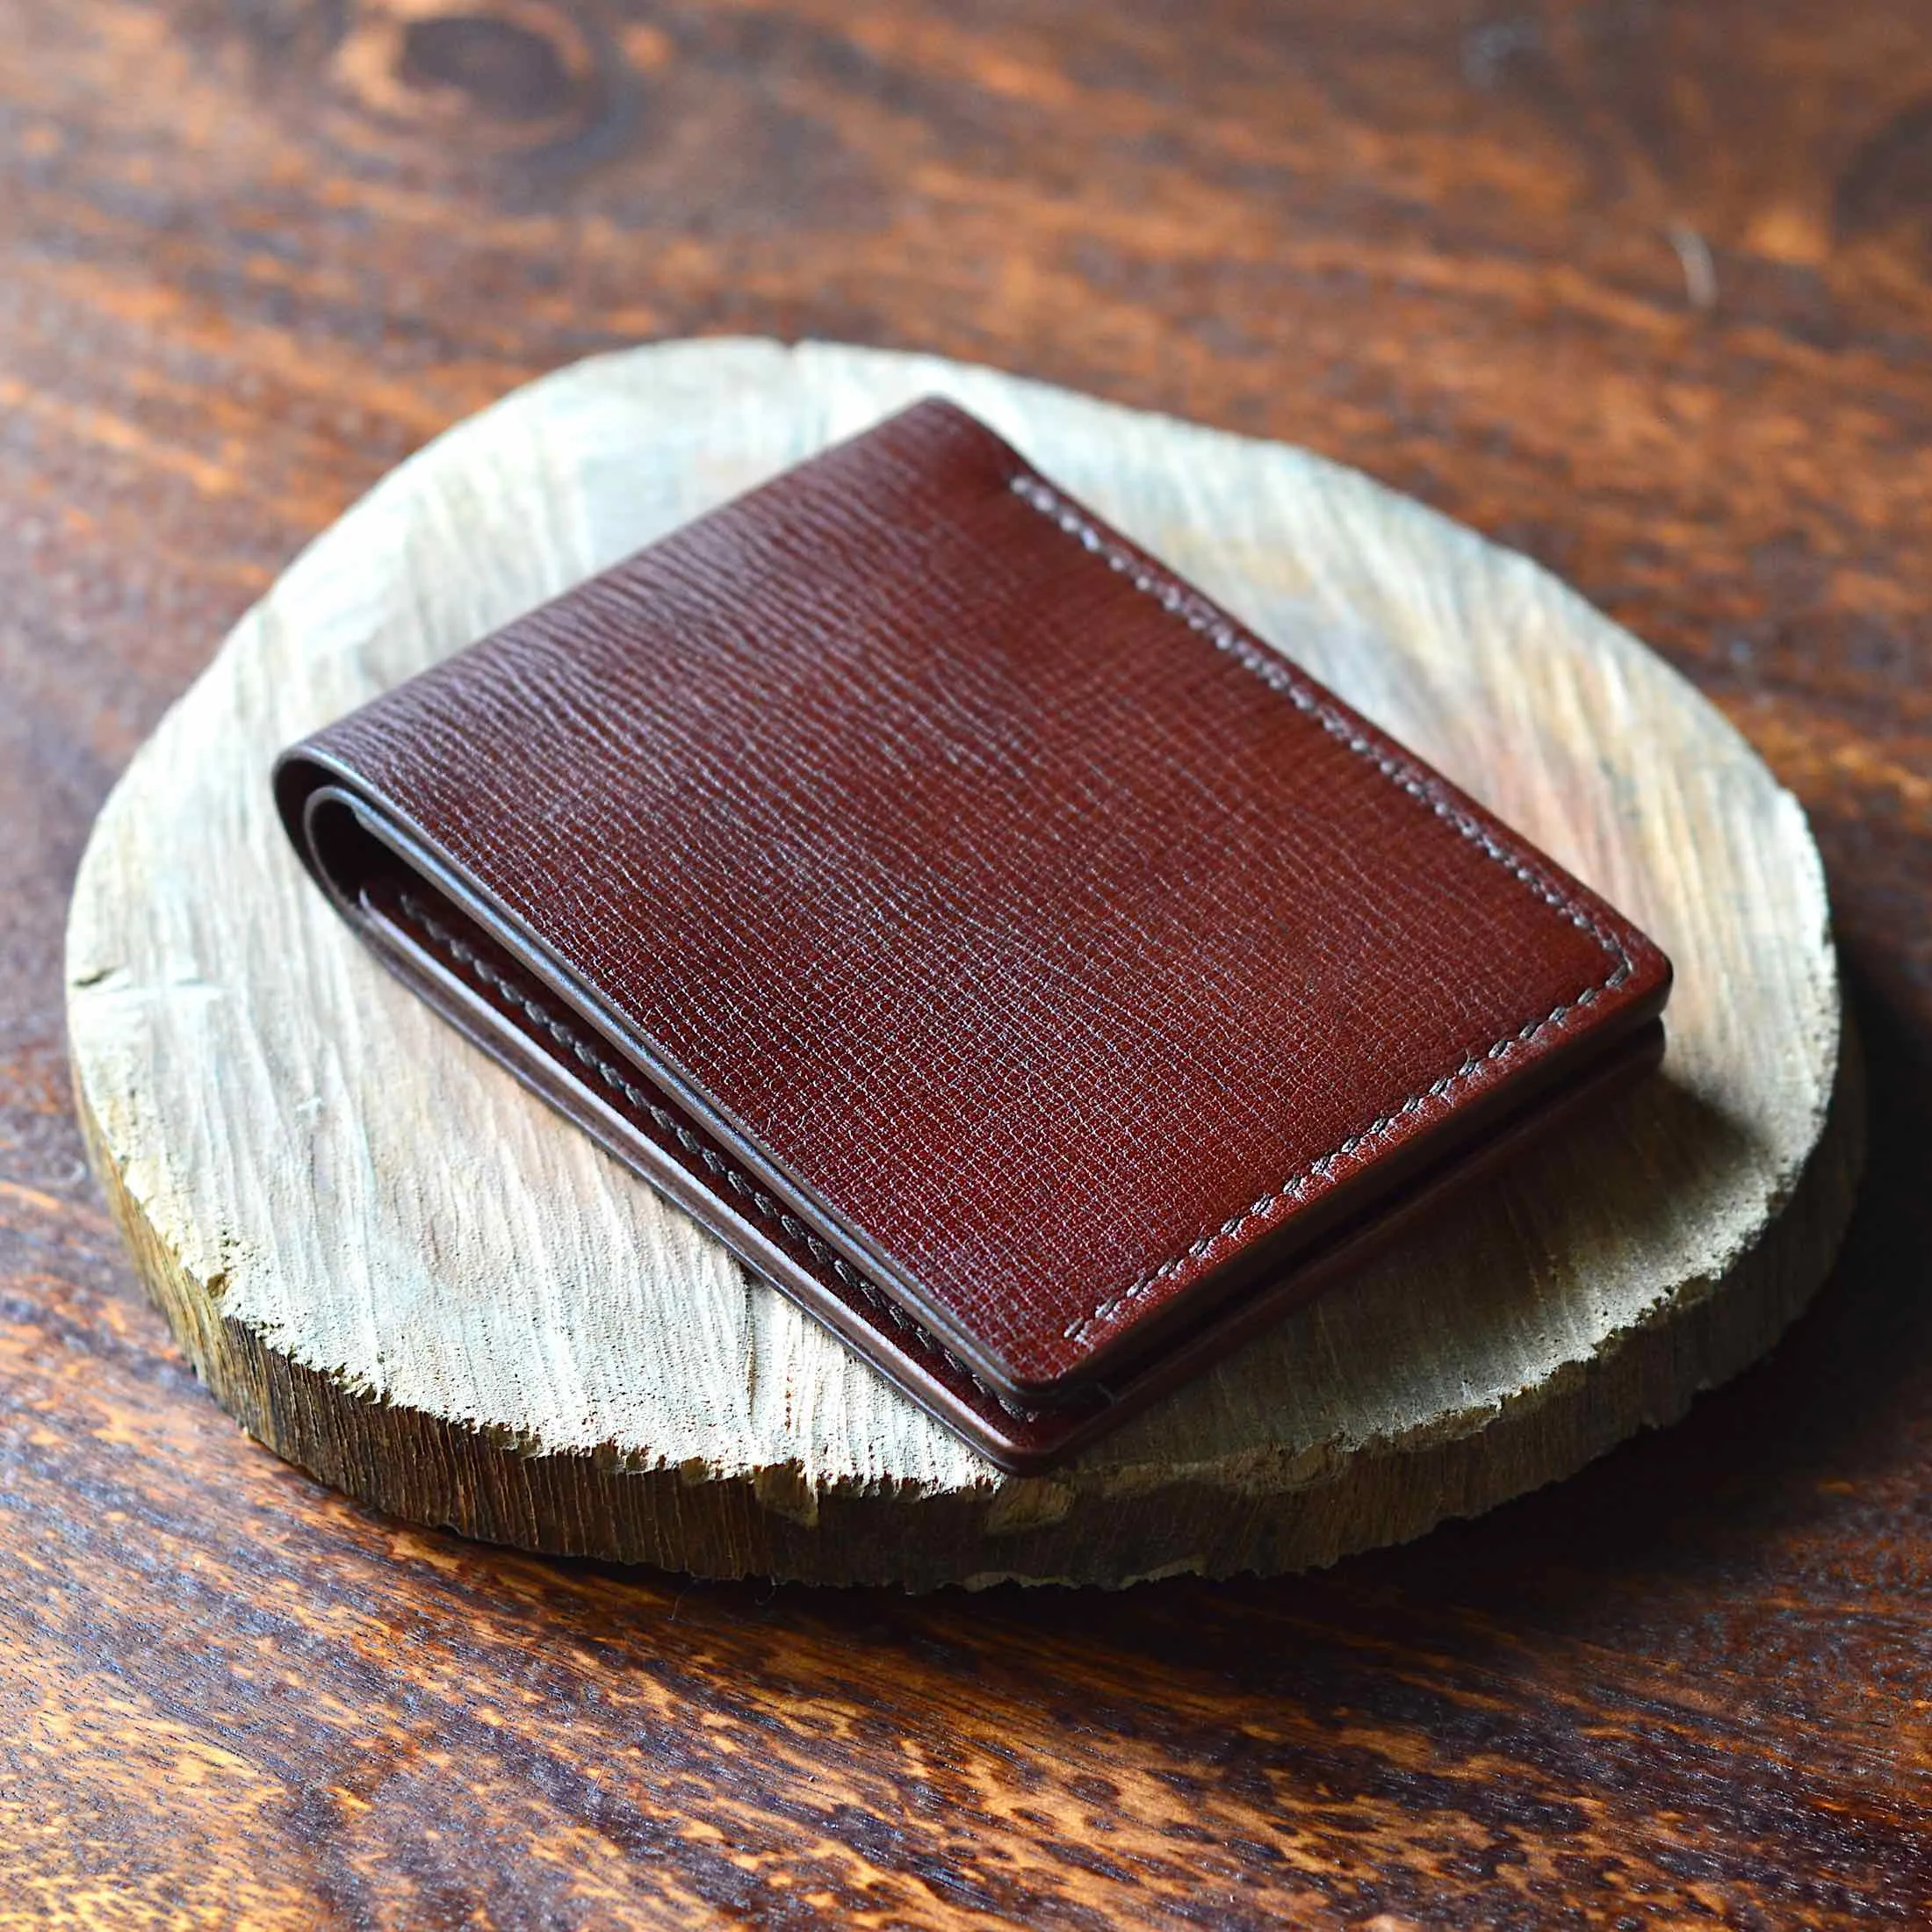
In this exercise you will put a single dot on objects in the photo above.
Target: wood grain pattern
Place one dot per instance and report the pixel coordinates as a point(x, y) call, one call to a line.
point(408, 1275)
point(257, 249)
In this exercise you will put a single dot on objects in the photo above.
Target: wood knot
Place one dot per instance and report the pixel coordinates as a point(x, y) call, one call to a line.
point(502, 65)
point(502, 76)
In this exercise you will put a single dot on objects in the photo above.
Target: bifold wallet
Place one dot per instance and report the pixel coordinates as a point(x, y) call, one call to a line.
point(1000, 948)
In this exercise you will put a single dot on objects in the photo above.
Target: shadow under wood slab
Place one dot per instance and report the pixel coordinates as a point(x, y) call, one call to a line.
point(402, 1271)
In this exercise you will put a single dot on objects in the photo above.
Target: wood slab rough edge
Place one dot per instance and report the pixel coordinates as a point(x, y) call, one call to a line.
point(427, 1469)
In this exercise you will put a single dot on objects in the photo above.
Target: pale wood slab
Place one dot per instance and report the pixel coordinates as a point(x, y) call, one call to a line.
point(401, 1271)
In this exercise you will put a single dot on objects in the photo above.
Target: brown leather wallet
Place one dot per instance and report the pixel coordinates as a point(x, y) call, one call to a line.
point(1000, 948)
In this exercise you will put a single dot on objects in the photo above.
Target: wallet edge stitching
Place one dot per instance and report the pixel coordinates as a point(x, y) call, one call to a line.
point(767, 1209)
point(1202, 618)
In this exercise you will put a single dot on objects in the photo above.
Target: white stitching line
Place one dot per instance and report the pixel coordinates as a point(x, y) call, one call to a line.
point(765, 1208)
point(1198, 616)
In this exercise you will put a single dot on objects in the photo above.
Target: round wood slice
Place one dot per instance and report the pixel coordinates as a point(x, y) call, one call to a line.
point(401, 1271)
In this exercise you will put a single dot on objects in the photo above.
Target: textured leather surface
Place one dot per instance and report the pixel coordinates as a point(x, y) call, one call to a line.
point(1004, 949)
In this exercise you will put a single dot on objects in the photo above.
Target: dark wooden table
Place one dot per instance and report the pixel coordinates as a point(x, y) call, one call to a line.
point(1643, 288)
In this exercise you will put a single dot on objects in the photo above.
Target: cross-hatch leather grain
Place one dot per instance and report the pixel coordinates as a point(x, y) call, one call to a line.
point(1056, 947)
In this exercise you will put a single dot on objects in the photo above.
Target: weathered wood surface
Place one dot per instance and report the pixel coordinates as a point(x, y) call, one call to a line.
point(1641, 289)
point(410, 1277)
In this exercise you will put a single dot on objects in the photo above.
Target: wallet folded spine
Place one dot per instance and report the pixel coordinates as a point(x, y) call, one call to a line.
point(1003, 950)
